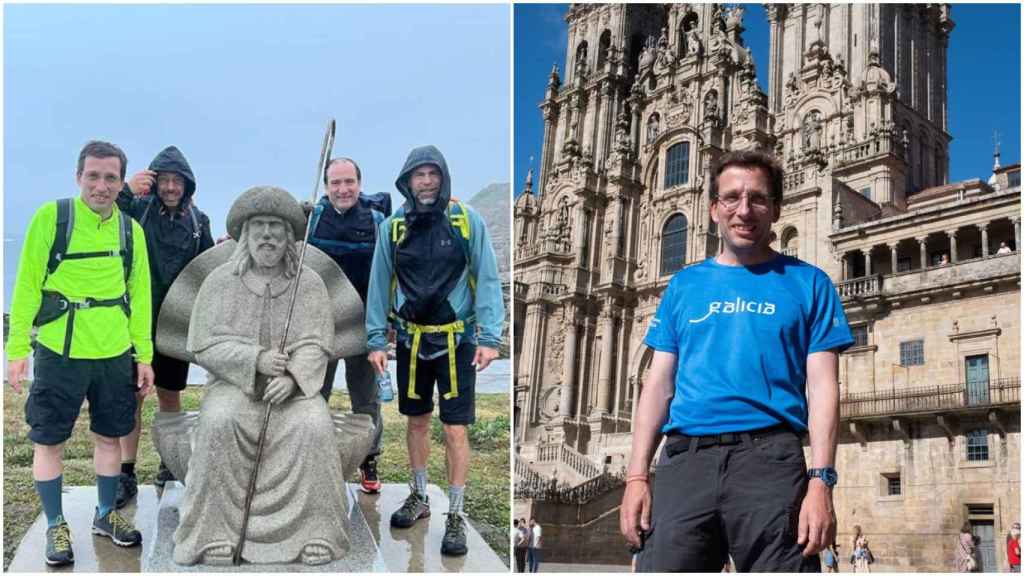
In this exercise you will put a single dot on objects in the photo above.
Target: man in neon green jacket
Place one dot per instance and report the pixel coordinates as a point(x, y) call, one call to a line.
point(92, 305)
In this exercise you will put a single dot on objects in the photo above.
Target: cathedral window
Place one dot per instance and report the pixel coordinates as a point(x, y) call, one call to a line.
point(977, 445)
point(603, 47)
point(677, 165)
point(791, 242)
point(673, 244)
point(912, 353)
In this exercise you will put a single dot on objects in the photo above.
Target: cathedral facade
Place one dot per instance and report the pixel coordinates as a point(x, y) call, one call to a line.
point(928, 270)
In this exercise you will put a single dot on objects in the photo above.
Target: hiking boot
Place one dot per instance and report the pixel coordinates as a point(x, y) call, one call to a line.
point(368, 480)
point(127, 488)
point(454, 541)
point(415, 507)
point(58, 545)
point(163, 476)
point(115, 527)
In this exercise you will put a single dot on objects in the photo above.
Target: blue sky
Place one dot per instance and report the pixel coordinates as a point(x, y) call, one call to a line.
point(245, 91)
point(984, 80)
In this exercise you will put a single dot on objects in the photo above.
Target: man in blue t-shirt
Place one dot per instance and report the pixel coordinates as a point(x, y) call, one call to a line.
point(745, 363)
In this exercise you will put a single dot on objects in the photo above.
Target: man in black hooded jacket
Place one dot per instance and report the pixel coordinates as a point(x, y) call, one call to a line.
point(176, 232)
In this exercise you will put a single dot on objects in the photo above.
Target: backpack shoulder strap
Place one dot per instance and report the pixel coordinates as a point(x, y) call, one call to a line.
point(127, 247)
point(62, 233)
point(318, 211)
point(459, 220)
point(196, 233)
point(145, 213)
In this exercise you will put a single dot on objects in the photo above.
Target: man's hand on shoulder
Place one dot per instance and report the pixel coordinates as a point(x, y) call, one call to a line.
point(484, 356)
point(17, 370)
point(142, 182)
point(817, 527)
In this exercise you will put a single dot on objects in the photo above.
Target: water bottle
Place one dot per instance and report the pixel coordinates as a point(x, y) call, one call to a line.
point(385, 391)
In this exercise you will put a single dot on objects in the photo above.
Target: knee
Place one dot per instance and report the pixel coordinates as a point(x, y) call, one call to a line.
point(49, 451)
point(419, 424)
point(456, 434)
point(169, 400)
point(106, 443)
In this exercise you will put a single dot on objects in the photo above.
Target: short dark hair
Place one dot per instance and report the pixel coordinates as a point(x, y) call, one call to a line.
point(750, 159)
point(359, 173)
point(100, 149)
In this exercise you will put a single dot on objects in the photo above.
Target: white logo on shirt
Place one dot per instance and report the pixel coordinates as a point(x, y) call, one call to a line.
point(737, 306)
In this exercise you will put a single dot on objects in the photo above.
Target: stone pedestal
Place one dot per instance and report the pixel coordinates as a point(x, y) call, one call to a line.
point(377, 547)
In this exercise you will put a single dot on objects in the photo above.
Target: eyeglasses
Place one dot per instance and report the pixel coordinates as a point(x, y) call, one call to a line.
point(731, 201)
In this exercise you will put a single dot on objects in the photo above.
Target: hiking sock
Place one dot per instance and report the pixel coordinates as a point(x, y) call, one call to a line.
point(128, 468)
point(455, 498)
point(106, 486)
point(419, 481)
point(50, 494)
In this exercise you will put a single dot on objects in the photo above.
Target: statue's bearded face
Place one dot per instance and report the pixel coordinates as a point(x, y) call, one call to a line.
point(267, 240)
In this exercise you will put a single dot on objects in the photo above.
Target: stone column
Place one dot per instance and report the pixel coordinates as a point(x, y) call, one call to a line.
point(604, 383)
point(845, 272)
point(581, 377)
point(867, 261)
point(895, 256)
point(547, 151)
point(531, 334)
point(924, 251)
point(952, 246)
point(1016, 234)
point(568, 367)
point(983, 228)
point(604, 111)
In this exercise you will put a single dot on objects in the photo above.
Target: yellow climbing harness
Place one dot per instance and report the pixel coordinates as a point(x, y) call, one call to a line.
point(460, 222)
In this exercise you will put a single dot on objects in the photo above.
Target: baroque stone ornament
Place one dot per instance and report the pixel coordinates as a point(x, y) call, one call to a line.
point(237, 321)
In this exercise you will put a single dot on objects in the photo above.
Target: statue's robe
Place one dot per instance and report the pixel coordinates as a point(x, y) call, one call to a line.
point(300, 495)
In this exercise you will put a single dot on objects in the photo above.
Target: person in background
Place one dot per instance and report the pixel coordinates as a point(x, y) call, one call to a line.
point(1013, 547)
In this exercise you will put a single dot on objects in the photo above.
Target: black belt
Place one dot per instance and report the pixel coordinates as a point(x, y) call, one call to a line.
point(678, 443)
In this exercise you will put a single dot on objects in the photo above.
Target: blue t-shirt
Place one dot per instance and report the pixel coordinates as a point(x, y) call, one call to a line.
point(741, 336)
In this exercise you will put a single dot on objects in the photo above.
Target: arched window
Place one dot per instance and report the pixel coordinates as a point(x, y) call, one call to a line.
point(602, 49)
point(677, 165)
point(791, 242)
point(581, 54)
point(673, 244)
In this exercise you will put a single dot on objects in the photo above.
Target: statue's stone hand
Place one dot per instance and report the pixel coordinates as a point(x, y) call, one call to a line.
point(271, 362)
point(280, 389)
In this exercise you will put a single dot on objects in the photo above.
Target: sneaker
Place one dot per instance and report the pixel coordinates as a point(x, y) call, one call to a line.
point(414, 508)
point(127, 488)
point(163, 476)
point(115, 527)
point(58, 545)
point(368, 480)
point(454, 541)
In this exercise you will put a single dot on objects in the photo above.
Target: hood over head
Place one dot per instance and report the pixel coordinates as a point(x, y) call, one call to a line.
point(418, 157)
point(171, 159)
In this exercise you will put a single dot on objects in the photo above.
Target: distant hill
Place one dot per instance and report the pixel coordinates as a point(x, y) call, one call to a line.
point(494, 203)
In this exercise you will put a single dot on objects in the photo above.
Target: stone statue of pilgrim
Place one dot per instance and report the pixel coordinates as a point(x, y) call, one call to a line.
point(299, 509)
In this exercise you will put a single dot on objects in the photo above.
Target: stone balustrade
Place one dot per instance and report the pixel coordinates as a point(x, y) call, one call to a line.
point(930, 399)
point(860, 287)
point(964, 271)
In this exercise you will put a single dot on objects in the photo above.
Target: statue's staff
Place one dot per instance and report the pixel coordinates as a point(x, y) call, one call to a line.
point(325, 150)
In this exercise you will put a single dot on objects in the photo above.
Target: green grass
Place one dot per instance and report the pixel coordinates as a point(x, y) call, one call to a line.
point(487, 493)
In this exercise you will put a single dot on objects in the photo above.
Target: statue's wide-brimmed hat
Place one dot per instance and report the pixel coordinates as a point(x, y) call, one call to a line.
point(266, 201)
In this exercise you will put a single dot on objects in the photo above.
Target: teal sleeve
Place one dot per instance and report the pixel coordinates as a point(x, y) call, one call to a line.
point(378, 296)
point(139, 290)
point(27, 296)
point(489, 306)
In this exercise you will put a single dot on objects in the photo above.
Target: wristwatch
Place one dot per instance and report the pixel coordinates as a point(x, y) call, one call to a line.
point(828, 475)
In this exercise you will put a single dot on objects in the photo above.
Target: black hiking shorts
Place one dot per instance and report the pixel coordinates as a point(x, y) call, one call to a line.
point(739, 498)
point(459, 410)
point(60, 385)
point(169, 373)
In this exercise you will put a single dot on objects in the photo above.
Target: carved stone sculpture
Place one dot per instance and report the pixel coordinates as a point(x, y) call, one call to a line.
point(236, 324)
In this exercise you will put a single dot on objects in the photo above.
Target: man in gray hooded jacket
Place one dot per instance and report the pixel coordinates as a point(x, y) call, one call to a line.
point(435, 277)
point(176, 232)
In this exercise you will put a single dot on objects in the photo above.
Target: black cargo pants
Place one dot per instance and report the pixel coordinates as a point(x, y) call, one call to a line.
point(737, 496)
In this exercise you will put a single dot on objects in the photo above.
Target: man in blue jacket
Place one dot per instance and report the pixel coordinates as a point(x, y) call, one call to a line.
point(344, 226)
point(435, 277)
point(176, 232)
